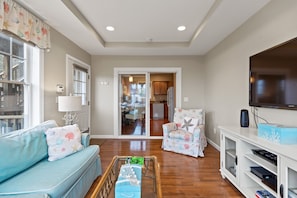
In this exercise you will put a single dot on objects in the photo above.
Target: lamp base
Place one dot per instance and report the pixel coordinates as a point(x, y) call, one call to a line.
point(70, 118)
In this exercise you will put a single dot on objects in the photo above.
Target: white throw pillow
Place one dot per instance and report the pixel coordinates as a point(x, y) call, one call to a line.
point(63, 141)
point(189, 124)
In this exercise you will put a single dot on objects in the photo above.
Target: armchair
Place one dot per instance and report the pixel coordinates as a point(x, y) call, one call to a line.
point(138, 112)
point(185, 135)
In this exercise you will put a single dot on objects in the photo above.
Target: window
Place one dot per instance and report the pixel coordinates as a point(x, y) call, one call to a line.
point(80, 77)
point(137, 92)
point(16, 64)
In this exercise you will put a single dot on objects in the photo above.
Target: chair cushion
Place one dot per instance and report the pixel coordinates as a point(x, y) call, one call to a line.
point(180, 114)
point(189, 124)
point(182, 135)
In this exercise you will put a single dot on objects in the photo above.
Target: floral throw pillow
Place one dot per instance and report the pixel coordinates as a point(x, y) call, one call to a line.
point(189, 124)
point(63, 141)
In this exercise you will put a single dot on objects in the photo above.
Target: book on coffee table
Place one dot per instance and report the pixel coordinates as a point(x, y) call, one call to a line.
point(136, 160)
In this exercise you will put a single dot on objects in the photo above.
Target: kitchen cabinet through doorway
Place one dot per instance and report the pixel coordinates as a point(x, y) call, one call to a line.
point(160, 87)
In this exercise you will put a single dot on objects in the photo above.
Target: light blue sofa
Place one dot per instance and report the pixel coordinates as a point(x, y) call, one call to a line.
point(26, 172)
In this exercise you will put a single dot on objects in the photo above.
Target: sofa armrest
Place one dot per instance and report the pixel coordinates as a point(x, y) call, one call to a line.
point(85, 139)
point(29, 195)
point(168, 127)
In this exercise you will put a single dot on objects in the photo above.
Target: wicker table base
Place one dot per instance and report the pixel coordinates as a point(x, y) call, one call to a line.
point(150, 184)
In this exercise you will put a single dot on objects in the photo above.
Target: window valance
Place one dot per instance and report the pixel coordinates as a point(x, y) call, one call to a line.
point(17, 20)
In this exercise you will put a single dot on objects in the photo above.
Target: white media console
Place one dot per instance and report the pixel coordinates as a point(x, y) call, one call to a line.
point(237, 156)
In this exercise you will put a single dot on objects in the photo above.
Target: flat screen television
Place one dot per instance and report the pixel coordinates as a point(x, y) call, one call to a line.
point(273, 77)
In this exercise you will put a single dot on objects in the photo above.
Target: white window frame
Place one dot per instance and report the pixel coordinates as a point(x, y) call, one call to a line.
point(37, 88)
point(33, 86)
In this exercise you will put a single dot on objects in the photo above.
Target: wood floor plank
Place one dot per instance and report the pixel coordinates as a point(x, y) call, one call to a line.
point(181, 176)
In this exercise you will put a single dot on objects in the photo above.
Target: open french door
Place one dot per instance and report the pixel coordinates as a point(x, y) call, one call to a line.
point(133, 104)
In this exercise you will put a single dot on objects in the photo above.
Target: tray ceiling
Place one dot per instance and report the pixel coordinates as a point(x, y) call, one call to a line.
point(145, 27)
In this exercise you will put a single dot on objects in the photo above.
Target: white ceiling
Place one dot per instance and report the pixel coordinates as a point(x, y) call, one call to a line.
point(145, 27)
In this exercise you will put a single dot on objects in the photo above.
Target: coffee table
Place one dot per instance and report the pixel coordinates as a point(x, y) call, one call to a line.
point(150, 184)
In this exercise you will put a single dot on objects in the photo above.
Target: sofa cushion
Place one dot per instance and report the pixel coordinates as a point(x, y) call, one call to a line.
point(21, 149)
point(36, 195)
point(63, 141)
point(54, 178)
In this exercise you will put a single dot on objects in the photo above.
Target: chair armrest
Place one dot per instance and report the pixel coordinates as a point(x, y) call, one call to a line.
point(198, 133)
point(85, 139)
point(168, 127)
point(200, 138)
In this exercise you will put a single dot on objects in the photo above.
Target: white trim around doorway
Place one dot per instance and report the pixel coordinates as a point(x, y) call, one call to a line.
point(144, 70)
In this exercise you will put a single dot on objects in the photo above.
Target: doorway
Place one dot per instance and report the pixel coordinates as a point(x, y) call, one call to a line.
point(133, 104)
point(78, 84)
point(141, 100)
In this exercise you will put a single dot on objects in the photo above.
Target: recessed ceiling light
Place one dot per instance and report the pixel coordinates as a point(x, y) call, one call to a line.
point(110, 28)
point(181, 28)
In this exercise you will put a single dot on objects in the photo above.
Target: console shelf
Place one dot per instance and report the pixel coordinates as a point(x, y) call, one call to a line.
point(237, 156)
point(231, 152)
point(263, 163)
point(260, 183)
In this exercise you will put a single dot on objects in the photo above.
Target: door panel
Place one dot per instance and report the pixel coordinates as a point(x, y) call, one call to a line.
point(133, 104)
point(80, 87)
point(78, 83)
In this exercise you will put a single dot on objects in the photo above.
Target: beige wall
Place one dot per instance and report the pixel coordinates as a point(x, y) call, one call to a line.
point(55, 71)
point(102, 95)
point(227, 66)
point(217, 82)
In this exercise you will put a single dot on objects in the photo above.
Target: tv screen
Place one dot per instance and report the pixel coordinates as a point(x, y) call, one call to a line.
point(273, 77)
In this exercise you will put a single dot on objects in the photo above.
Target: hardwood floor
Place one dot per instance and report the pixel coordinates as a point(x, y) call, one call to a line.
point(181, 176)
point(137, 127)
point(156, 127)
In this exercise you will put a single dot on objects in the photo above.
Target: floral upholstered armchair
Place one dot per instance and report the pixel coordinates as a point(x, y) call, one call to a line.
point(185, 135)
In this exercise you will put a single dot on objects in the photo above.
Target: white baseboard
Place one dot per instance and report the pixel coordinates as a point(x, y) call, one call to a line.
point(124, 137)
point(213, 144)
point(142, 137)
point(103, 137)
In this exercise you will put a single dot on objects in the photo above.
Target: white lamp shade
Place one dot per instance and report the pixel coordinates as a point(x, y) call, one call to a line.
point(69, 103)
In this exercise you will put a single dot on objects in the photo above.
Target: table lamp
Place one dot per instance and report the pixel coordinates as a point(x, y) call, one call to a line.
point(69, 104)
